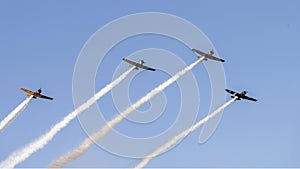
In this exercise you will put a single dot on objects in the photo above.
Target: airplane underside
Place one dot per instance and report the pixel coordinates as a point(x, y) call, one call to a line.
point(235, 96)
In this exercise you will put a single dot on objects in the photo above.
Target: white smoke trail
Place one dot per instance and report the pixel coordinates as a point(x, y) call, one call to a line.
point(12, 115)
point(89, 141)
point(20, 155)
point(175, 139)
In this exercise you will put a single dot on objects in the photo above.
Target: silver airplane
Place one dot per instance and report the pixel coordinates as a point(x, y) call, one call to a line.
point(139, 64)
point(209, 55)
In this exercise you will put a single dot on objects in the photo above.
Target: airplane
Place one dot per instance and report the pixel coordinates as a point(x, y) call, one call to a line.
point(36, 94)
point(138, 65)
point(240, 96)
point(208, 55)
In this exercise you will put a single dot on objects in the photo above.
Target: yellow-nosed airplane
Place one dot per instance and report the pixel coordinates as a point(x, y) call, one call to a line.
point(36, 94)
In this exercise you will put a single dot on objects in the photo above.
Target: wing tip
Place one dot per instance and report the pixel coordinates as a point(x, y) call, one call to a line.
point(254, 100)
point(151, 69)
point(49, 98)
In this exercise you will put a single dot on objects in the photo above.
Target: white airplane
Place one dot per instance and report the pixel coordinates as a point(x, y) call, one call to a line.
point(138, 65)
point(208, 55)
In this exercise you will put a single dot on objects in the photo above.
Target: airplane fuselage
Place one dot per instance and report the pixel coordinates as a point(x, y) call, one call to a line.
point(240, 95)
point(35, 95)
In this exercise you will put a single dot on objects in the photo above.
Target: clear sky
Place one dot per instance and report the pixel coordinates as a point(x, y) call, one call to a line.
point(40, 43)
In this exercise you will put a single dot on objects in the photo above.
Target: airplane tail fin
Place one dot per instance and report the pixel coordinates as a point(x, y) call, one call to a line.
point(142, 62)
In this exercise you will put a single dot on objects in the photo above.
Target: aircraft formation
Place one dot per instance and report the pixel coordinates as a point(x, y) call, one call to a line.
point(140, 64)
point(209, 55)
point(39, 143)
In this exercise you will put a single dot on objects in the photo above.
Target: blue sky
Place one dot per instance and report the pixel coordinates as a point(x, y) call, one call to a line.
point(40, 43)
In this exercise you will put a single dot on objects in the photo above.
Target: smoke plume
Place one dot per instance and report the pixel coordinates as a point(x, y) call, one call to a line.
point(23, 153)
point(175, 139)
point(12, 115)
point(96, 136)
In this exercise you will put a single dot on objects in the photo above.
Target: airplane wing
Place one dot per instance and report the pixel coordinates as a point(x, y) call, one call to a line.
point(145, 67)
point(215, 58)
point(45, 97)
point(130, 62)
point(27, 91)
point(199, 52)
point(230, 91)
point(249, 98)
point(138, 65)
